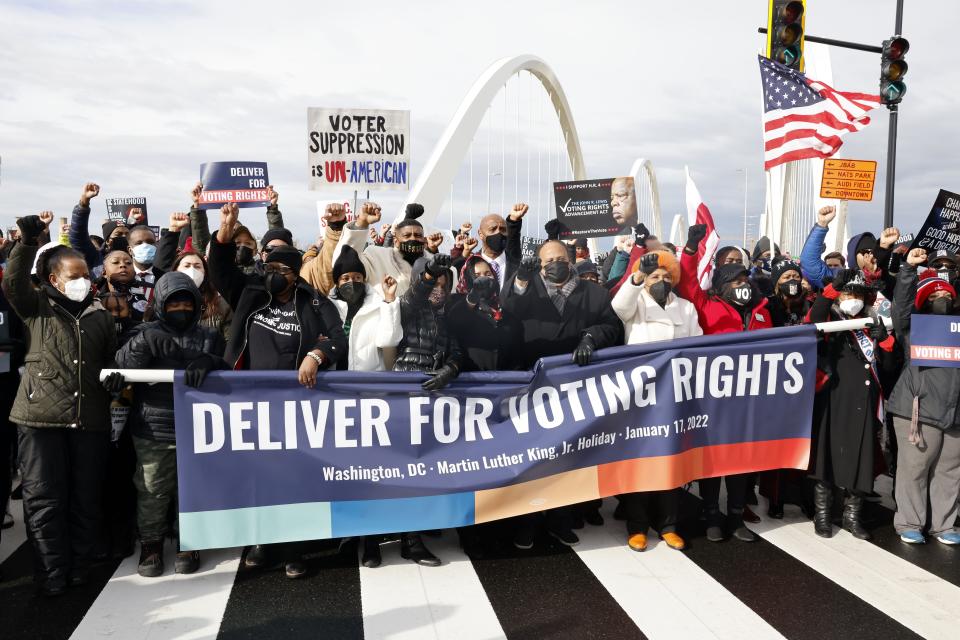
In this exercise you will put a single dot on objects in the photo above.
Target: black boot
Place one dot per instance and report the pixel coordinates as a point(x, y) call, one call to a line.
point(822, 501)
point(853, 517)
point(256, 556)
point(371, 552)
point(187, 562)
point(151, 559)
point(412, 548)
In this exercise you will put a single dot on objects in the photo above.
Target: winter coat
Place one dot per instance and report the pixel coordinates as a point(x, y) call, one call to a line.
point(375, 327)
point(377, 261)
point(487, 344)
point(938, 388)
point(547, 332)
point(319, 272)
point(646, 321)
point(427, 343)
point(717, 315)
point(61, 379)
point(845, 411)
point(320, 325)
point(779, 314)
point(152, 417)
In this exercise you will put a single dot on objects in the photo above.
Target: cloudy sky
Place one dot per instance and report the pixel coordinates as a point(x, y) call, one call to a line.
point(135, 95)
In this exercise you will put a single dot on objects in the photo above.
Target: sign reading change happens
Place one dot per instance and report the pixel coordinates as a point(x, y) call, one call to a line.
point(358, 148)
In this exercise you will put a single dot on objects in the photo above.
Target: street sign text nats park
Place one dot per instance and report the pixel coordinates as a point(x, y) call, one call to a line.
point(848, 179)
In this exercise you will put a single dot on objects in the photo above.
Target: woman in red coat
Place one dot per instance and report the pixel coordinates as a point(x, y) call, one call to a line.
point(733, 304)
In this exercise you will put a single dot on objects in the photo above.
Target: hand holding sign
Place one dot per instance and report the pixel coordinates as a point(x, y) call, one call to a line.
point(90, 190)
point(272, 195)
point(826, 215)
point(519, 210)
point(916, 257)
point(178, 221)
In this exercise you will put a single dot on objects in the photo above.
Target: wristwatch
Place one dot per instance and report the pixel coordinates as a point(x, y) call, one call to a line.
point(318, 359)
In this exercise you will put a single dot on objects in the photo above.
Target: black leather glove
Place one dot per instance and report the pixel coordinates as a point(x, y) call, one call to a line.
point(878, 331)
point(695, 234)
point(843, 277)
point(114, 382)
point(438, 265)
point(641, 233)
point(553, 228)
point(413, 211)
point(196, 372)
point(584, 351)
point(649, 263)
point(30, 229)
point(161, 345)
point(441, 378)
point(529, 267)
point(482, 290)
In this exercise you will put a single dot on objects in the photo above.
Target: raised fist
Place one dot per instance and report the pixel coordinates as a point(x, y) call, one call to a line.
point(916, 257)
point(195, 194)
point(46, 217)
point(519, 210)
point(889, 237)
point(369, 214)
point(469, 244)
point(90, 190)
point(438, 265)
point(649, 263)
point(229, 215)
point(641, 233)
point(389, 286)
point(334, 212)
point(695, 234)
point(826, 215)
point(434, 240)
point(178, 221)
point(272, 195)
point(529, 267)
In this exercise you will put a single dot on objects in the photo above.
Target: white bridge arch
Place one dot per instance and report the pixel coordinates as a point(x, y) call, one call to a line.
point(433, 185)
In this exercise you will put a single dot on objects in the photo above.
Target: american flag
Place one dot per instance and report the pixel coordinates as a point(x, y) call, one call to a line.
point(805, 118)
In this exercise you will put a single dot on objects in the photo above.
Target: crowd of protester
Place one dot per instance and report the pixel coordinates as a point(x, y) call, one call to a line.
point(96, 460)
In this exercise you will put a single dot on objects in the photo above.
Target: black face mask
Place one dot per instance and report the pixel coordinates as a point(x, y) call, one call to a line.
point(121, 325)
point(740, 294)
point(496, 242)
point(557, 272)
point(120, 287)
point(179, 320)
point(485, 287)
point(352, 292)
point(941, 306)
point(411, 250)
point(119, 243)
point(276, 283)
point(660, 291)
point(791, 289)
point(244, 256)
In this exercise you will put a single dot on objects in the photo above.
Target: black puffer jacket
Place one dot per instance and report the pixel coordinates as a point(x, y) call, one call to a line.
point(320, 324)
point(65, 353)
point(152, 417)
point(427, 344)
point(937, 388)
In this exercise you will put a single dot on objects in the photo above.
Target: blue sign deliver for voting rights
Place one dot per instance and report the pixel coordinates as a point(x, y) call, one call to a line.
point(244, 183)
point(934, 341)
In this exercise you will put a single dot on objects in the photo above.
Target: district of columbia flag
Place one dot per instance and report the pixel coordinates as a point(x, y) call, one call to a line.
point(698, 213)
point(804, 118)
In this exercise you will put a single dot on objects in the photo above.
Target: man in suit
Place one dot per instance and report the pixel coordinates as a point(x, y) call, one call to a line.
point(501, 242)
point(560, 314)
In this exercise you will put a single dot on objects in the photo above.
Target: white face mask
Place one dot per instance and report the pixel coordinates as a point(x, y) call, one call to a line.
point(851, 306)
point(76, 289)
point(195, 274)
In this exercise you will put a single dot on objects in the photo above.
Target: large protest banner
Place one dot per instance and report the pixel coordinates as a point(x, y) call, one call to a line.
point(595, 208)
point(358, 148)
point(244, 183)
point(260, 459)
point(941, 229)
point(129, 211)
point(934, 340)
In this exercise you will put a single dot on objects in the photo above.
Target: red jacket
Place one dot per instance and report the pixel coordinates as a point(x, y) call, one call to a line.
point(717, 316)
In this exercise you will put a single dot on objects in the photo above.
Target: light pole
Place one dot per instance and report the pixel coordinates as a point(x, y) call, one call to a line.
point(744, 170)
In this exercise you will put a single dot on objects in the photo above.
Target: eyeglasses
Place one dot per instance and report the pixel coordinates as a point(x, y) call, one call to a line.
point(277, 268)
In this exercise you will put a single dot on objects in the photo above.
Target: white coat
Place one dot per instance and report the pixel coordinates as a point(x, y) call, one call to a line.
point(646, 321)
point(375, 327)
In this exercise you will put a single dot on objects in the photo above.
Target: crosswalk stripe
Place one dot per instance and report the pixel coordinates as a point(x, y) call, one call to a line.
point(916, 598)
point(402, 600)
point(185, 607)
point(664, 592)
point(798, 601)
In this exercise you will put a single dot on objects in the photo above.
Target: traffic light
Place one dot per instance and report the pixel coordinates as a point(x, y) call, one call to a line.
point(785, 21)
point(892, 69)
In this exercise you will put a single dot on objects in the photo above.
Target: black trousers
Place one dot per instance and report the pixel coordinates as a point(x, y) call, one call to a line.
point(657, 509)
point(62, 490)
point(736, 493)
